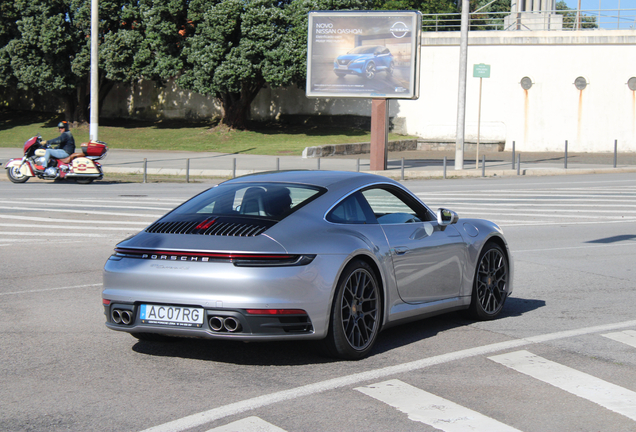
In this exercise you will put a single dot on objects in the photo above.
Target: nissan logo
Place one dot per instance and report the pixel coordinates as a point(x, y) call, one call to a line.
point(399, 30)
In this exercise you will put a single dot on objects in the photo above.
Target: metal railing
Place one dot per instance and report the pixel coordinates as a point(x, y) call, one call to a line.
point(606, 19)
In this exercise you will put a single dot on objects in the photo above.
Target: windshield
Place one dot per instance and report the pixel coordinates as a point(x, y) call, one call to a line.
point(363, 50)
point(255, 200)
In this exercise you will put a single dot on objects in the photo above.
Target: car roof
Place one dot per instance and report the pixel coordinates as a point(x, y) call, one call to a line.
point(314, 178)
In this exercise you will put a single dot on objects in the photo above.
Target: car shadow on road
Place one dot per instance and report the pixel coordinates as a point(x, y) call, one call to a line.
point(298, 353)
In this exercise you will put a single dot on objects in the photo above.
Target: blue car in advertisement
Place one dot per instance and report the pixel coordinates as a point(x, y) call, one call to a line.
point(366, 61)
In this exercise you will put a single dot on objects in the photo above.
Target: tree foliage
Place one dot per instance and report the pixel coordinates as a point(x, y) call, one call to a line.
point(240, 46)
point(230, 49)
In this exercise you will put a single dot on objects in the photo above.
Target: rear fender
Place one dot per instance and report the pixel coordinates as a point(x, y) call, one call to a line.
point(25, 170)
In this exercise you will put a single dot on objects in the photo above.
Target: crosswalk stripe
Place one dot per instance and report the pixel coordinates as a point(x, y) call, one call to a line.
point(430, 409)
point(628, 337)
point(45, 210)
point(603, 393)
point(62, 228)
point(52, 234)
point(79, 221)
point(93, 204)
point(248, 424)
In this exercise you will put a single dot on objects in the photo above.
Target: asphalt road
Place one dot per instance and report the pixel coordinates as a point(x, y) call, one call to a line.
point(560, 358)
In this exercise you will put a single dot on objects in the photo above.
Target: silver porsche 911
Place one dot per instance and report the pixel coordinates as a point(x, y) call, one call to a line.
point(323, 255)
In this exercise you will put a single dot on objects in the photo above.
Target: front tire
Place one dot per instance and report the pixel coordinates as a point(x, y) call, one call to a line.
point(369, 71)
point(15, 175)
point(355, 314)
point(490, 288)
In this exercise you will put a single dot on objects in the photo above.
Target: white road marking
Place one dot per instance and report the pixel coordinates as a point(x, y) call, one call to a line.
point(239, 407)
point(154, 216)
point(50, 289)
point(432, 410)
point(591, 246)
point(50, 234)
point(85, 221)
point(628, 337)
point(248, 424)
point(603, 393)
point(58, 227)
point(96, 204)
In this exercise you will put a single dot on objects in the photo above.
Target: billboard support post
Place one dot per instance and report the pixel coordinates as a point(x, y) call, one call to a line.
point(379, 134)
point(365, 55)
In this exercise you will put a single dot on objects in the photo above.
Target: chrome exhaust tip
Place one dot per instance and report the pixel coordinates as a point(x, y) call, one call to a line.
point(216, 323)
point(116, 316)
point(126, 317)
point(231, 324)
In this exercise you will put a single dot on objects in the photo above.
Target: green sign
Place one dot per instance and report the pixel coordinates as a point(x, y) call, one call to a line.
point(481, 70)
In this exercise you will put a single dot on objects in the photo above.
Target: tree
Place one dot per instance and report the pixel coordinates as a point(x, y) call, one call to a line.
point(240, 46)
point(48, 49)
point(570, 17)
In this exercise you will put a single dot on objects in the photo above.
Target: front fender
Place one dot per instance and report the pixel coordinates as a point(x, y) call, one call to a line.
point(25, 170)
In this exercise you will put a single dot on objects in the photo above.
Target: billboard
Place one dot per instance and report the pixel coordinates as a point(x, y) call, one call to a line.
point(364, 54)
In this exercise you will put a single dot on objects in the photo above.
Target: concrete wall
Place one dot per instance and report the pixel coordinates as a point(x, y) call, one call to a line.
point(552, 110)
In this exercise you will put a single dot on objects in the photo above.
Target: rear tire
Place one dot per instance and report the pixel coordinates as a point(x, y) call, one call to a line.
point(355, 314)
point(15, 175)
point(85, 181)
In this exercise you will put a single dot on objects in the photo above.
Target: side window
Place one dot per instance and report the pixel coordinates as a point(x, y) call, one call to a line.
point(350, 211)
point(389, 208)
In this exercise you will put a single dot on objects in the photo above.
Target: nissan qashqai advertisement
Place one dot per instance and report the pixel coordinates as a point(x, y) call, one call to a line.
point(363, 54)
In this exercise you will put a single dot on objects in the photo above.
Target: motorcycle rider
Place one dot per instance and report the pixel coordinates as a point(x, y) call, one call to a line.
point(65, 144)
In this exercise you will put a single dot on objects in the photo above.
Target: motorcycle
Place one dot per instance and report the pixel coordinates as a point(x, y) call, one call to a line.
point(81, 166)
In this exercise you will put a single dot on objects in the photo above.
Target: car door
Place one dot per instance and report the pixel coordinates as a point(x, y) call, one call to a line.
point(427, 259)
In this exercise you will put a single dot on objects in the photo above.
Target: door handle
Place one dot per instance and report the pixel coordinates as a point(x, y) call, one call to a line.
point(400, 250)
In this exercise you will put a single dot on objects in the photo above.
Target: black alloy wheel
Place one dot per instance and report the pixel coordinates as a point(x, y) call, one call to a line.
point(490, 288)
point(356, 312)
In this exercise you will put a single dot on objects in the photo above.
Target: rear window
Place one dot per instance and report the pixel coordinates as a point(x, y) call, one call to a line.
point(262, 200)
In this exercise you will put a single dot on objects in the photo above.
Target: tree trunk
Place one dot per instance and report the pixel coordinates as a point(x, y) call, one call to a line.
point(236, 106)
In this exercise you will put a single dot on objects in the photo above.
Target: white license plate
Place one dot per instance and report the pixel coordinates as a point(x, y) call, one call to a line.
point(345, 67)
point(177, 316)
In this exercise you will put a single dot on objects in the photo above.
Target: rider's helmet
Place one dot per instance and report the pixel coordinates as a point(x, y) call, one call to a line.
point(63, 125)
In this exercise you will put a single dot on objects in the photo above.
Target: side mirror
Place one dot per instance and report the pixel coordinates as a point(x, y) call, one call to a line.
point(446, 217)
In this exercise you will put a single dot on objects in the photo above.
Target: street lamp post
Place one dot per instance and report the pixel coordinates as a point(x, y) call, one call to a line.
point(94, 70)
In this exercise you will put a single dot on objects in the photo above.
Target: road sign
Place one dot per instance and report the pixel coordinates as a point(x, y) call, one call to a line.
point(481, 71)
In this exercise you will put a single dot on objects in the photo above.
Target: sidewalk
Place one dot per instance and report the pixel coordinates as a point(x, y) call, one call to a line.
point(417, 164)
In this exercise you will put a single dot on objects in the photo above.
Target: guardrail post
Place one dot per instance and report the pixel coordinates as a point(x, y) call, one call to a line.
point(483, 166)
point(277, 164)
point(615, 151)
point(519, 164)
point(402, 167)
point(188, 170)
point(513, 155)
point(234, 168)
point(444, 167)
point(318, 164)
point(565, 160)
point(145, 170)
point(358, 165)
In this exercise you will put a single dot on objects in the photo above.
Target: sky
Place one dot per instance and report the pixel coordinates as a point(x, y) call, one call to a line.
point(605, 4)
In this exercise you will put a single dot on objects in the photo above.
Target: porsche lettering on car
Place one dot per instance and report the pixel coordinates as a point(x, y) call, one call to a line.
point(334, 257)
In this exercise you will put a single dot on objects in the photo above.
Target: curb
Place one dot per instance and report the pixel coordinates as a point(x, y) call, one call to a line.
point(393, 174)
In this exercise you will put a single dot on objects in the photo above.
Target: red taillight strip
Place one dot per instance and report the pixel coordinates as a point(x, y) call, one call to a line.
point(275, 311)
point(229, 256)
point(105, 302)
